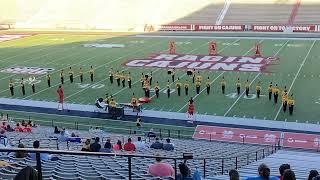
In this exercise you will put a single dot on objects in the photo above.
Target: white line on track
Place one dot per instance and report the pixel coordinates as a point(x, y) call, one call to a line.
point(211, 82)
point(226, 113)
point(297, 74)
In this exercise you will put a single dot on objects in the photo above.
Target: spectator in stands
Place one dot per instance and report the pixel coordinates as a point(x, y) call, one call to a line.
point(161, 169)
point(129, 146)
point(23, 123)
point(168, 146)
point(18, 128)
point(282, 168)
point(312, 174)
point(43, 156)
point(27, 128)
point(140, 145)
point(9, 128)
point(74, 138)
point(117, 146)
point(157, 144)
point(264, 174)
point(3, 138)
point(95, 147)
point(31, 124)
point(4, 126)
point(234, 174)
point(56, 130)
point(86, 145)
point(289, 175)
point(20, 154)
point(27, 173)
point(107, 147)
point(151, 134)
point(2, 133)
point(185, 173)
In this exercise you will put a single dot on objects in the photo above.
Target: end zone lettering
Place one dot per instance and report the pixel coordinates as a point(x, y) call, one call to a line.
point(26, 70)
point(203, 62)
point(8, 37)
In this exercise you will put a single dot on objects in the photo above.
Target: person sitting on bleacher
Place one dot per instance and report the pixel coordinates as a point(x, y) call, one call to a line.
point(9, 128)
point(74, 138)
point(151, 134)
point(20, 154)
point(160, 169)
point(56, 130)
point(129, 146)
point(117, 146)
point(140, 145)
point(107, 147)
point(95, 147)
point(18, 128)
point(86, 145)
point(168, 146)
point(282, 168)
point(157, 144)
point(27, 128)
point(264, 174)
point(3, 126)
point(43, 156)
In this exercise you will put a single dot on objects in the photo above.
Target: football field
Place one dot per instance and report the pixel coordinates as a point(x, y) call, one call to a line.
point(297, 68)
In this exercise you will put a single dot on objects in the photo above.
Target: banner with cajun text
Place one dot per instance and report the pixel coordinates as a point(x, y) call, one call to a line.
point(213, 27)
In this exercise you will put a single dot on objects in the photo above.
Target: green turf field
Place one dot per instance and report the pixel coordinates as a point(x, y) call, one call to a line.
point(298, 69)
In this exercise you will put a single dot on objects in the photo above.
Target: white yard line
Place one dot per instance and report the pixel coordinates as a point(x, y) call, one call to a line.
point(223, 12)
point(102, 65)
point(56, 61)
point(211, 81)
point(230, 108)
point(295, 77)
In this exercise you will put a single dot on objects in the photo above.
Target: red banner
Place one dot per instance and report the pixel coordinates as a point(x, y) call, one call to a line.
point(175, 27)
point(282, 28)
point(212, 27)
point(236, 135)
point(300, 140)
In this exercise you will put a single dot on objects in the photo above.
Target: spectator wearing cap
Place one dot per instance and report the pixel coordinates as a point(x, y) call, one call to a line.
point(282, 168)
point(264, 174)
point(289, 175)
point(129, 146)
point(95, 147)
point(157, 144)
point(160, 169)
point(140, 145)
point(168, 146)
point(312, 174)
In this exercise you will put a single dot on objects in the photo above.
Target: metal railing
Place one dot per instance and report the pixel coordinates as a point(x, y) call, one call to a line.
point(235, 160)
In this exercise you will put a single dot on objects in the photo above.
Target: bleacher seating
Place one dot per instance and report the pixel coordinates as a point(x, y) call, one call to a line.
point(308, 12)
point(85, 167)
point(301, 163)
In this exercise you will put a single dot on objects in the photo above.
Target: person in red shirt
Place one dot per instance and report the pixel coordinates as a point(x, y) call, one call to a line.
point(60, 96)
point(129, 146)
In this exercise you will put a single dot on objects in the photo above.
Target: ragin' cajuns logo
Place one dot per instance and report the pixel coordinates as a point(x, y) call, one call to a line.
point(204, 62)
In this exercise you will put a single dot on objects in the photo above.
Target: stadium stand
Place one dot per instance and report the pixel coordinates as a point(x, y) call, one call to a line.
point(264, 12)
point(308, 12)
point(300, 162)
point(88, 167)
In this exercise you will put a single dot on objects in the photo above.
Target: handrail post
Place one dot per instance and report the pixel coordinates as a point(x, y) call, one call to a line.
point(68, 145)
point(256, 155)
point(169, 133)
point(178, 134)
point(263, 153)
point(57, 144)
point(175, 168)
point(51, 122)
point(160, 133)
point(222, 166)
point(204, 168)
point(39, 165)
point(236, 162)
point(247, 159)
point(129, 167)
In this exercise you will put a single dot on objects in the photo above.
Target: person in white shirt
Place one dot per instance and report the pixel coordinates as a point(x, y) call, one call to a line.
point(140, 145)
